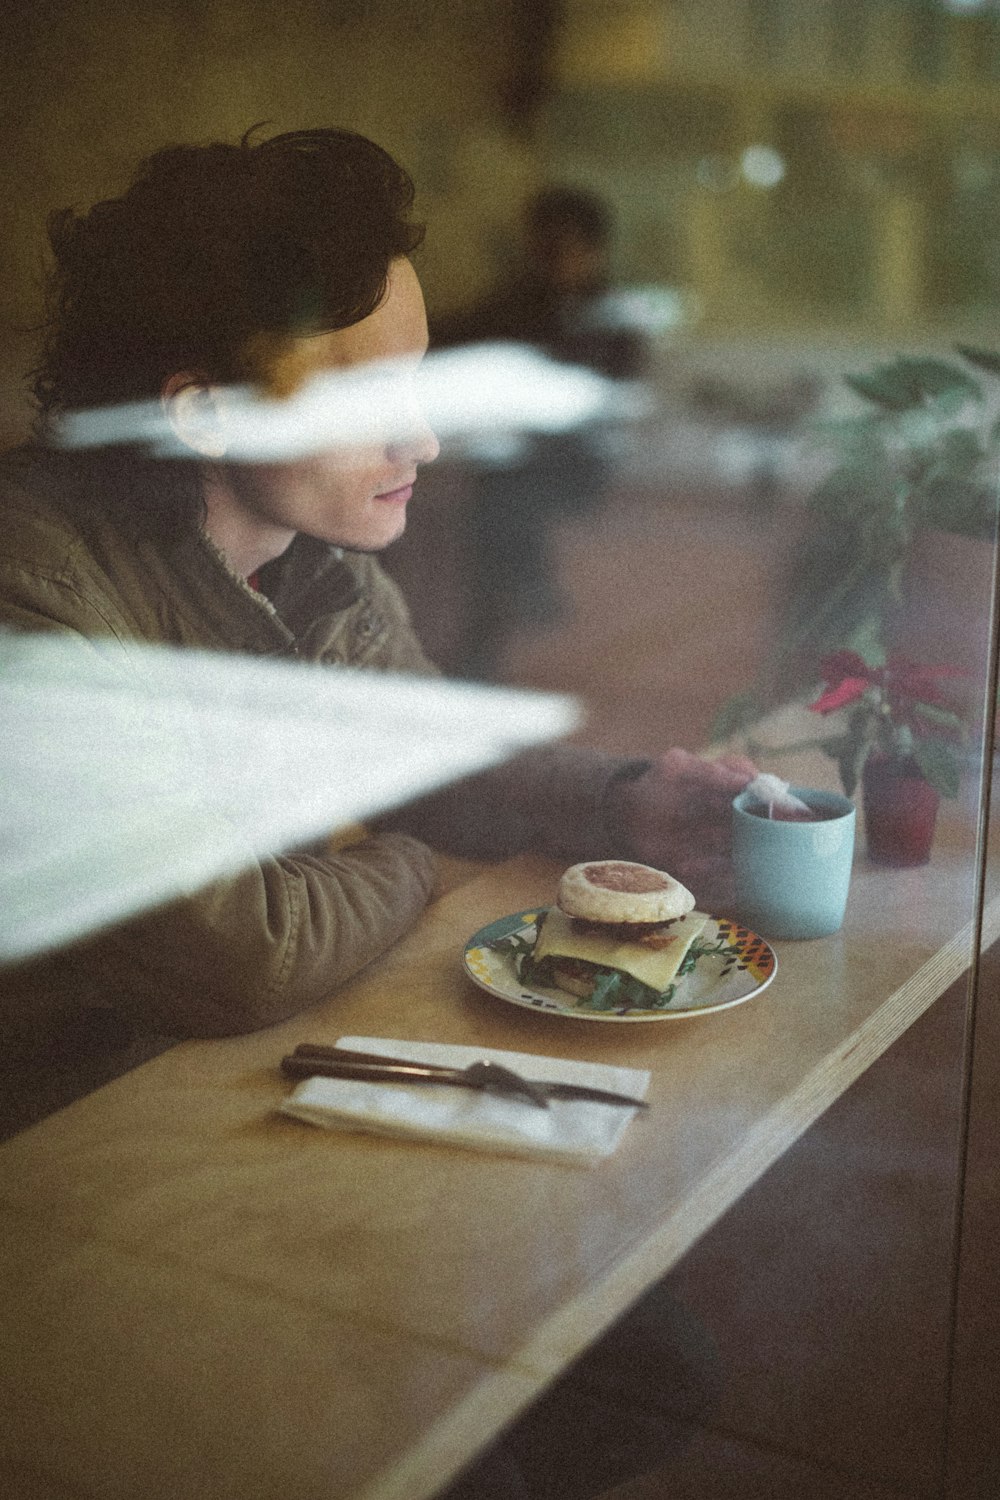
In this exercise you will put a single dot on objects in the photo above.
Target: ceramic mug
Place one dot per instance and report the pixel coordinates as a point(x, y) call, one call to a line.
point(792, 879)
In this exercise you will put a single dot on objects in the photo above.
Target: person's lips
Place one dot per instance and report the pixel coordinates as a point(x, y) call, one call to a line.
point(397, 496)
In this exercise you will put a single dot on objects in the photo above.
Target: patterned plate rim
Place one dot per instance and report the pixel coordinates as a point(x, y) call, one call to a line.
point(551, 1002)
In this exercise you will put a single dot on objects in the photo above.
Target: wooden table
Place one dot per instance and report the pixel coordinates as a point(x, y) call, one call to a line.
point(201, 1297)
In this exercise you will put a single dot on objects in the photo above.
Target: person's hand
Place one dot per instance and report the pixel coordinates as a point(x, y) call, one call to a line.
point(677, 817)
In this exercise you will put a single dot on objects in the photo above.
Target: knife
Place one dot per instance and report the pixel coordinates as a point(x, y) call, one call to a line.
point(311, 1060)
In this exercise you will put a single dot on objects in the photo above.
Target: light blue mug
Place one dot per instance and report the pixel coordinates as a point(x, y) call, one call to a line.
point(792, 879)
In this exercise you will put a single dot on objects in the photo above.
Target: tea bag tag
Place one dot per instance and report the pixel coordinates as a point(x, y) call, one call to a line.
point(774, 794)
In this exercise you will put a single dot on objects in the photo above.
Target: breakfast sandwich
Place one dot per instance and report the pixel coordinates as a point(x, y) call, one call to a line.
point(618, 936)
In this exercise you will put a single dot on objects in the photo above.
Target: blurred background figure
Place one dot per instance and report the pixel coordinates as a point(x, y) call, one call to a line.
point(558, 300)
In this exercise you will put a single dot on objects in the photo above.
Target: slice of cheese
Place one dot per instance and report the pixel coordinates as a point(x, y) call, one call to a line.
point(656, 967)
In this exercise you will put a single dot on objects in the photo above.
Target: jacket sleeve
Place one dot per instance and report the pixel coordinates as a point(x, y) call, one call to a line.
point(250, 951)
point(240, 954)
point(552, 800)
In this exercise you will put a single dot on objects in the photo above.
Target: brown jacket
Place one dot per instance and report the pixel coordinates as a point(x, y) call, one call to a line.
point(249, 951)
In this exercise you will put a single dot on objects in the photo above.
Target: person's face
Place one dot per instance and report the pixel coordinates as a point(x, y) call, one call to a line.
point(352, 496)
point(567, 260)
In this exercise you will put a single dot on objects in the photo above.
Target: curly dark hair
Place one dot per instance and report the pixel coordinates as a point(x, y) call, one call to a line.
point(211, 245)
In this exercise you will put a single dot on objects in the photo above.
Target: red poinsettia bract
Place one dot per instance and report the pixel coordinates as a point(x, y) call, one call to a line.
point(903, 684)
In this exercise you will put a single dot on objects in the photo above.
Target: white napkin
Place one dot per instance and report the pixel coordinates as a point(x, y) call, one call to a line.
point(569, 1130)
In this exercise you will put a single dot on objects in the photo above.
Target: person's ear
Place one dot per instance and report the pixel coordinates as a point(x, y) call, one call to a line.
point(193, 408)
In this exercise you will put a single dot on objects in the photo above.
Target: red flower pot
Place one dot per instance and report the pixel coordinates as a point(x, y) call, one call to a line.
point(900, 811)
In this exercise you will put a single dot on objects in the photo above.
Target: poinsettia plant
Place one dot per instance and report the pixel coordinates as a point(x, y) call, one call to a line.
point(920, 452)
point(899, 709)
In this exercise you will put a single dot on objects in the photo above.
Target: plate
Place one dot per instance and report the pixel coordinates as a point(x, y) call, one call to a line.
point(742, 965)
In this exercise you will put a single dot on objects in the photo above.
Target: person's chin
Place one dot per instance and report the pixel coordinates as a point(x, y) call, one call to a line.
point(377, 543)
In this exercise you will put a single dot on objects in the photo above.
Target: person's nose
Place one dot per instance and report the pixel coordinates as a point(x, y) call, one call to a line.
point(418, 444)
point(425, 447)
point(410, 437)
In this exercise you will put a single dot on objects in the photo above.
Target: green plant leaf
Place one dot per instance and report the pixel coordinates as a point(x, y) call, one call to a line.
point(961, 450)
point(847, 490)
point(939, 377)
point(984, 359)
point(901, 741)
point(909, 382)
point(851, 749)
point(943, 717)
point(846, 432)
point(867, 639)
point(918, 426)
point(736, 714)
point(957, 505)
point(949, 403)
point(883, 388)
point(939, 765)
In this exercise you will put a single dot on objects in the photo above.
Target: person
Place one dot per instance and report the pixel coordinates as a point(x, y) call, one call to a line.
point(269, 260)
point(555, 301)
point(554, 296)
